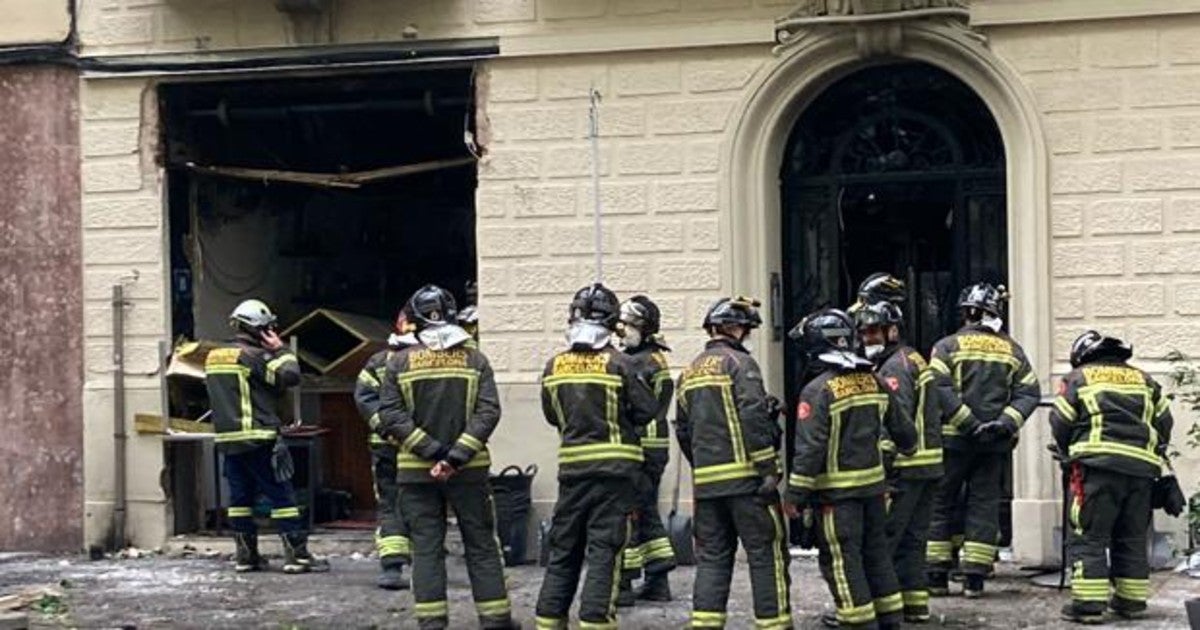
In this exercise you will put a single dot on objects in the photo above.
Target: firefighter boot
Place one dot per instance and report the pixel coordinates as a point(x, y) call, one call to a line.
point(972, 586)
point(1086, 612)
point(939, 583)
point(625, 595)
point(392, 578)
point(247, 558)
point(296, 557)
point(1126, 609)
point(655, 588)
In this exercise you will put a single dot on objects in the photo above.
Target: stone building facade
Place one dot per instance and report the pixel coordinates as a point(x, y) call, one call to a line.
point(1098, 103)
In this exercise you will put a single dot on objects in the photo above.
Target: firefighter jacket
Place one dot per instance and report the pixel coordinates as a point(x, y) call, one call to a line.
point(244, 382)
point(650, 361)
point(439, 405)
point(1114, 416)
point(839, 421)
point(366, 392)
point(597, 400)
point(906, 374)
point(981, 376)
point(723, 422)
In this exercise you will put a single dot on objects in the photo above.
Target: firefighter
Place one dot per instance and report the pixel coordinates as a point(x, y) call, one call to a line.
point(726, 427)
point(597, 400)
point(244, 379)
point(650, 550)
point(913, 479)
point(1113, 423)
point(438, 401)
point(838, 471)
point(468, 319)
point(986, 389)
point(391, 536)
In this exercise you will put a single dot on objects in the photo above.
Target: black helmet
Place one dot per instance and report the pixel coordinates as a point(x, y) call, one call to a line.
point(878, 314)
point(881, 287)
point(597, 304)
point(984, 297)
point(740, 311)
point(1092, 346)
point(432, 305)
point(641, 313)
point(824, 331)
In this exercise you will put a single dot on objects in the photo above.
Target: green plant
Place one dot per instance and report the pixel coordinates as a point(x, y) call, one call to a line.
point(1185, 379)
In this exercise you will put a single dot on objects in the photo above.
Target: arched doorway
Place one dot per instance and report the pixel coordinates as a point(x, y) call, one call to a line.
point(897, 168)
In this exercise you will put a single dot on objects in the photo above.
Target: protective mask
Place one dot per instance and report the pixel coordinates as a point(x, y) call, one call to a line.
point(873, 350)
point(992, 322)
point(632, 338)
point(443, 337)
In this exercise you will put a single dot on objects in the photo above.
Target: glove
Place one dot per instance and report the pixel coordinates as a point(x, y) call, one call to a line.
point(774, 407)
point(281, 462)
point(768, 488)
point(1167, 495)
point(996, 430)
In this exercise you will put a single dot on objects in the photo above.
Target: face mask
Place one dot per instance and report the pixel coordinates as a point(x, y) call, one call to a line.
point(992, 322)
point(632, 338)
point(873, 350)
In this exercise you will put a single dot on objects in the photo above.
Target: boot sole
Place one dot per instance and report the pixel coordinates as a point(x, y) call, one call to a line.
point(1086, 620)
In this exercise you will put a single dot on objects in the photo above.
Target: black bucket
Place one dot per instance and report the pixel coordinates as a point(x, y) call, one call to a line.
point(512, 489)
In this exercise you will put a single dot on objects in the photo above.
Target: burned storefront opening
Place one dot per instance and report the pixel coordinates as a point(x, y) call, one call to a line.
point(331, 199)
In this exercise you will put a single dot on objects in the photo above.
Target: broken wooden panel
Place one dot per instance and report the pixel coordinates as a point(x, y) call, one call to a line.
point(337, 343)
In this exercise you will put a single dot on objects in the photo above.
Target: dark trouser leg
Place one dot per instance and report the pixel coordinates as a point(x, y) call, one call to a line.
point(840, 547)
point(877, 562)
point(716, 544)
point(242, 492)
point(1093, 512)
point(609, 527)
point(1130, 567)
point(983, 514)
point(568, 540)
point(1006, 498)
point(475, 508)
point(657, 552)
point(908, 555)
point(391, 536)
point(938, 552)
point(760, 527)
point(424, 506)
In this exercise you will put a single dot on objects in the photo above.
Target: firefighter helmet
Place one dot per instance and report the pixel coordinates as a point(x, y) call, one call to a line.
point(432, 305)
point(252, 316)
point(642, 313)
point(984, 297)
point(879, 287)
point(737, 311)
point(596, 304)
point(878, 314)
point(824, 331)
point(1092, 346)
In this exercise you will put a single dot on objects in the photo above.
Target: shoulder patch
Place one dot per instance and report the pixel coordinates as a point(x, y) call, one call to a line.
point(803, 411)
point(893, 383)
point(1113, 375)
point(846, 385)
point(580, 363)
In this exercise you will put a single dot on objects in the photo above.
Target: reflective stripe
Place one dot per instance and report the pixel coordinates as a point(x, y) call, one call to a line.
point(1135, 590)
point(658, 549)
point(722, 472)
point(985, 357)
point(276, 363)
point(596, 452)
point(938, 551)
point(782, 599)
point(849, 478)
point(240, 512)
point(774, 623)
point(470, 442)
point(914, 599)
point(245, 436)
point(374, 421)
point(930, 457)
point(287, 512)
point(1029, 379)
point(1163, 406)
point(841, 583)
point(960, 415)
point(367, 378)
point(633, 559)
point(1065, 409)
point(392, 546)
point(494, 608)
point(409, 461)
point(551, 623)
point(856, 614)
point(1087, 589)
point(802, 481)
point(1015, 415)
point(724, 383)
point(978, 553)
point(889, 604)
point(859, 400)
point(426, 610)
point(656, 443)
point(708, 619)
point(554, 380)
point(763, 455)
point(410, 443)
point(1114, 448)
point(938, 365)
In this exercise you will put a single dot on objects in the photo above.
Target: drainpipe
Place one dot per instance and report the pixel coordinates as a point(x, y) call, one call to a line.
point(119, 437)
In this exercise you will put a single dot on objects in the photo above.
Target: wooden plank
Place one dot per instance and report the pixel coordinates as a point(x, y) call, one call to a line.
point(152, 424)
point(330, 180)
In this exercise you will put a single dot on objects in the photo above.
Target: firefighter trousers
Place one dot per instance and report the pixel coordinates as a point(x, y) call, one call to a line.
point(853, 555)
point(1109, 516)
point(720, 522)
point(592, 524)
point(424, 507)
point(250, 474)
point(391, 535)
point(982, 473)
point(907, 533)
point(649, 549)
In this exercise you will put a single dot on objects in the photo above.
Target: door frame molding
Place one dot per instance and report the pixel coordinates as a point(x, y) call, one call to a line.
point(809, 62)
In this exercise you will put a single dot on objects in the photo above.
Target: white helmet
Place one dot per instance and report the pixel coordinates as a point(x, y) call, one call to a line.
point(252, 315)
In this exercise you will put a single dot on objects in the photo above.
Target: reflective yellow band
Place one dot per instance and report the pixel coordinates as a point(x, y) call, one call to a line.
point(978, 553)
point(858, 400)
point(551, 623)
point(655, 443)
point(494, 607)
point(1087, 589)
point(393, 546)
point(1115, 448)
point(1015, 415)
point(274, 365)
point(245, 436)
point(960, 416)
point(410, 443)
point(708, 619)
point(408, 461)
point(240, 512)
point(367, 378)
point(938, 365)
point(696, 382)
point(773, 623)
point(722, 472)
point(928, 457)
point(598, 625)
point(915, 598)
point(850, 478)
point(856, 614)
point(426, 610)
point(763, 455)
point(1132, 589)
point(985, 357)
point(1065, 409)
point(470, 442)
point(598, 452)
point(287, 512)
point(1029, 379)
point(938, 551)
point(801, 481)
point(889, 604)
point(1163, 406)
point(608, 380)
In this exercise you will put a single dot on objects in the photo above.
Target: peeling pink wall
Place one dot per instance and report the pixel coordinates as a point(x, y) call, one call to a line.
point(41, 311)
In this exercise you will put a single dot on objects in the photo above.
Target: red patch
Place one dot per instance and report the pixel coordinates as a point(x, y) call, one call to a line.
point(893, 383)
point(803, 411)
